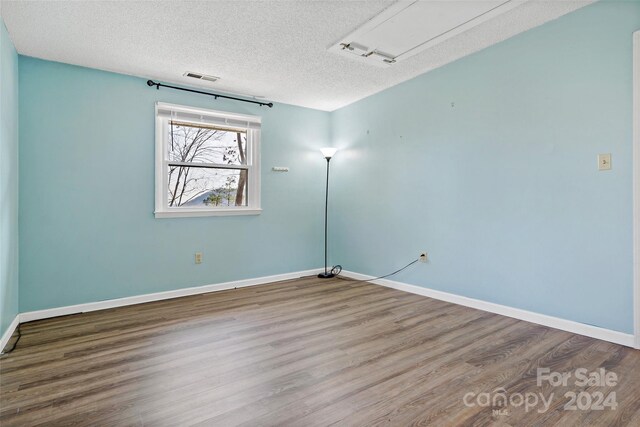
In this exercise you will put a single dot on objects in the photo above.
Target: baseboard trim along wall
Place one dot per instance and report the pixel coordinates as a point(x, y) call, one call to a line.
point(7, 334)
point(158, 296)
point(541, 319)
point(516, 313)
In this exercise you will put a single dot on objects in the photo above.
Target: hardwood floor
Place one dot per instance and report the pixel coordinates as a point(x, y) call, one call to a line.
point(304, 352)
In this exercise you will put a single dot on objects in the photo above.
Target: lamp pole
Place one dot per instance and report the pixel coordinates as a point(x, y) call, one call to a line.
point(327, 153)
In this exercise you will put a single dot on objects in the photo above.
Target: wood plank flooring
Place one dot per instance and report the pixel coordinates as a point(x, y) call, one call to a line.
point(304, 352)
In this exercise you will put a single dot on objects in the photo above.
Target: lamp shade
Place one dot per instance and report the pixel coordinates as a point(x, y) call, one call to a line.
point(328, 152)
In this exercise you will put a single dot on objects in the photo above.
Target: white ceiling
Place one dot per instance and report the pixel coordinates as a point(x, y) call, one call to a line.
point(277, 49)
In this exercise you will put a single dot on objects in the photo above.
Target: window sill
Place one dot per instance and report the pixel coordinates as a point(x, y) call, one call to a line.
point(198, 213)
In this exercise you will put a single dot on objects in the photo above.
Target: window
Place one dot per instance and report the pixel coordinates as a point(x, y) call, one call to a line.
point(207, 162)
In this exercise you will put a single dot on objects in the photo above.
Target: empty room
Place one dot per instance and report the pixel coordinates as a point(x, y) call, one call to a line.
point(320, 212)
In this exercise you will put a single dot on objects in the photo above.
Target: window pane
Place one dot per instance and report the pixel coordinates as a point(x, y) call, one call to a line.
point(195, 187)
point(206, 144)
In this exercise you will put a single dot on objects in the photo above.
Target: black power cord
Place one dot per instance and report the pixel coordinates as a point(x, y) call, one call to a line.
point(13, 347)
point(376, 278)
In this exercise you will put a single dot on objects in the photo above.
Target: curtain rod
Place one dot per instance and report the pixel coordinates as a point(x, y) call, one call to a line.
point(215, 95)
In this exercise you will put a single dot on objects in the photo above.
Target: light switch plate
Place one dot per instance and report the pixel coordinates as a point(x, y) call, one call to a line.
point(604, 162)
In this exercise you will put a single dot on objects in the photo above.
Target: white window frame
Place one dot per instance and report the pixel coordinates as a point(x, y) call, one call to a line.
point(162, 208)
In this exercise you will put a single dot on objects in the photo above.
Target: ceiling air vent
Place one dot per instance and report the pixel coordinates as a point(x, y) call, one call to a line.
point(410, 27)
point(201, 76)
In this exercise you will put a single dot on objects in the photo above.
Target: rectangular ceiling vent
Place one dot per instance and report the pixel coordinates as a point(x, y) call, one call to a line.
point(201, 76)
point(407, 28)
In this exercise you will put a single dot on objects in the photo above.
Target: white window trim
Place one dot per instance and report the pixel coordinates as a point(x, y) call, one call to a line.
point(162, 210)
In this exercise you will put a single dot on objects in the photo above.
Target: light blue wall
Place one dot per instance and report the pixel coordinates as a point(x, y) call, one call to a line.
point(502, 188)
point(87, 231)
point(8, 180)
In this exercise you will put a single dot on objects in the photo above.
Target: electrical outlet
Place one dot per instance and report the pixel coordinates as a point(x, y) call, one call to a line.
point(198, 258)
point(423, 257)
point(604, 162)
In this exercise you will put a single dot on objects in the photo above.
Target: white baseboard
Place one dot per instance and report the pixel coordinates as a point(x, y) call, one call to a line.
point(139, 299)
point(529, 316)
point(541, 319)
point(7, 334)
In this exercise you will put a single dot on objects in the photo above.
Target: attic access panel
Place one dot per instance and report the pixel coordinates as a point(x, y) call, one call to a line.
point(410, 27)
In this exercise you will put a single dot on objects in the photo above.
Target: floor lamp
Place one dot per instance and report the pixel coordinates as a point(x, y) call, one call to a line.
point(328, 153)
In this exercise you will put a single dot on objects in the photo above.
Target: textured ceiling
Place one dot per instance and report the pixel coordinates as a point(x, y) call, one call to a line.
point(277, 49)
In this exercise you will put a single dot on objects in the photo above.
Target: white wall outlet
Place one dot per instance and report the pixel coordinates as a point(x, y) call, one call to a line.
point(424, 257)
point(198, 257)
point(604, 162)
